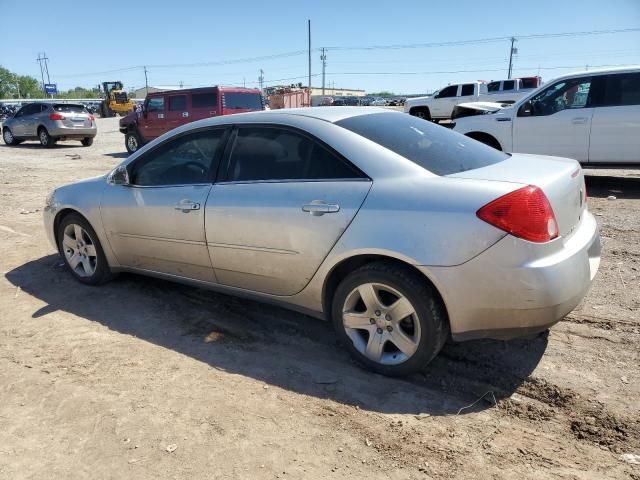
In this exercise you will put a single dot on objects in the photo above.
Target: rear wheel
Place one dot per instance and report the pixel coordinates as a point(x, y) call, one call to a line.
point(389, 318)
point(82, 251)
point(87, 141)
point(132, 141)
point(421, 112)
point(46, 140)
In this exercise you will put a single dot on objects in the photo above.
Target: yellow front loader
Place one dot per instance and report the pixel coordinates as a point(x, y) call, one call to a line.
point(115, 100)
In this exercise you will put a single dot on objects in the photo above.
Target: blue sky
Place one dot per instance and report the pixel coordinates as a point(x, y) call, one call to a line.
point(84, 48)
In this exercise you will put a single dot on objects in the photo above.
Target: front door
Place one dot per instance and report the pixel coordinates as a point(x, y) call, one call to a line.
point(157, 222)
point(285, 201)
point(446, 99)
point(615, 128)
point(558, 122)
point(153, 123)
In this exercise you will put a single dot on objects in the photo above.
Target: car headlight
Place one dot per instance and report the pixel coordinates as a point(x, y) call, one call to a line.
point(49, 200)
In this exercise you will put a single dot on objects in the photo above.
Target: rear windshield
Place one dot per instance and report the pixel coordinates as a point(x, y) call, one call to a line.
point(247, 101)
point(69, 108)
point(433, 147)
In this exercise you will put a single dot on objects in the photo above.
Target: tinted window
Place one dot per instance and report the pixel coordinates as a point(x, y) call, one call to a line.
point(566, 94)
point(279, 154)
point(508, 85)
point(467, 90)
point(434, 148)
point(178, 103)
point(618, 90)
point(247, 101)
point(493, 86)
point(32, 108)
point(529, 82)
point(203, 100)
point(186, 160)
point(156, 104)
point(449, 91)
point(69, 108)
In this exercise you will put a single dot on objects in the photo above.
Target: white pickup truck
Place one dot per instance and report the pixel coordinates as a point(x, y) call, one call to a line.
point(440, 105)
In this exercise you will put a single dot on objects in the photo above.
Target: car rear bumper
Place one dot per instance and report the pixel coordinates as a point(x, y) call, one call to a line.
point(516, 288)
point(72, 132)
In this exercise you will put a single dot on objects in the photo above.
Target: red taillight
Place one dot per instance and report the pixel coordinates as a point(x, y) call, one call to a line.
point(524, 213)
point(56, 116)
point(92, 118)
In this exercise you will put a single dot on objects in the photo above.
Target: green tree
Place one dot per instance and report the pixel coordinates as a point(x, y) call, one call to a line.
point(18, 86)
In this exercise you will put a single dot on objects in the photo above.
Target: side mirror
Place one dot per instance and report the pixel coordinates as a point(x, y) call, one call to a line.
point(119, 176)
point(526, 110)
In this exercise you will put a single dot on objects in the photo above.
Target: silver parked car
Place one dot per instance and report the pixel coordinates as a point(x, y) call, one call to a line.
point(50, 122)
point(399, 231)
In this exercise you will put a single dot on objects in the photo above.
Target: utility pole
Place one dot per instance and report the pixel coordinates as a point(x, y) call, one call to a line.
point(39, 60)
point(146, 82)
point(511, 53)
point(323, 57)
point(309, 35)
point(261, 81)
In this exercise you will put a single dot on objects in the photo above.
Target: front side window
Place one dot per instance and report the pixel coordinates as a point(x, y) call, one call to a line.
point(436, 149)
point(467, 90)
point(271, 154)
point(566, 94)
point(450, 91)
point(493, 87)
point(156, 104)
point(186, 160)
point(178, 103)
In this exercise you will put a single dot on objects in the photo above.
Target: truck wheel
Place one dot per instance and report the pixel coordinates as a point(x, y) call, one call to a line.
point(132, 141)
point(421, 112)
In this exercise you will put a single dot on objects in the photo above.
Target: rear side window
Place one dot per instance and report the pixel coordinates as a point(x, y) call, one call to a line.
point(69, 108)
point(178, 103)
point(467, 90)
point(434, 148)
point(204, 100)
point(617, 90)
point(508, 85)
point(529, 82)
point(493, 87)
point(241, 100)
point(271, 154)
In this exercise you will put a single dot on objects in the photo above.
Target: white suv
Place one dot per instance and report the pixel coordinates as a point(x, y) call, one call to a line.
point(592, 117)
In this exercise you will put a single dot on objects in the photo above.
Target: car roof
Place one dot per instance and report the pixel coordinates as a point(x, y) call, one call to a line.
point(328, 114)
point(600, 71)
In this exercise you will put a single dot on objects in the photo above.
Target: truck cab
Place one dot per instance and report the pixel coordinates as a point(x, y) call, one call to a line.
point(439, 106)
point(166, 110)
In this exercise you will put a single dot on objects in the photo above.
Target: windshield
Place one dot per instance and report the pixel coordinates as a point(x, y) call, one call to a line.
point(434, 148)
point(241, 100)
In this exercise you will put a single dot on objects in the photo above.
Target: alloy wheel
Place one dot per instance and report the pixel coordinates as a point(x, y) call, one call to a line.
point(132, 143)
point(8, 136)
point(44, 137)
point(382, 323)
point(79, 250)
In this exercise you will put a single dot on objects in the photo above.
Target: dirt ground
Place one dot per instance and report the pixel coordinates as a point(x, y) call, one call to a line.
point(146, 379)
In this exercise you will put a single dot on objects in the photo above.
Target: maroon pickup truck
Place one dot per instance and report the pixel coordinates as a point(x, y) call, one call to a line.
point(163, 111)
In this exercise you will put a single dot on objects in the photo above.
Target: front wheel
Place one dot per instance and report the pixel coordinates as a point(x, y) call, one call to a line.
point(389, 318)
point(46, 140)
point(132, 141)
point(82, 251)
point(8, 137)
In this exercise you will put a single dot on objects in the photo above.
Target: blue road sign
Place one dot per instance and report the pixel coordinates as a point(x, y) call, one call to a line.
point(50, 88)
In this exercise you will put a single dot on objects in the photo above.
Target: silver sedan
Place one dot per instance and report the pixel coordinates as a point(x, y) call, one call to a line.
point(399, 231)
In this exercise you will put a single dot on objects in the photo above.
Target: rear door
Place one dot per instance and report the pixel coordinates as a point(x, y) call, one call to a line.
point(204, 104)
point(558, 123)
point(615, 128)
point(26, 122)
point(284, 201)
point(177, 112)
point(156, 223)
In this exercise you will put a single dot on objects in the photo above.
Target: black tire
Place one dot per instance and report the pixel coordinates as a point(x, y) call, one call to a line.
point(87, 141)
point(102, 271)
point(421, 112)
point(132, 141)
point(8, 137)
point(46, 140)
point(431, 314)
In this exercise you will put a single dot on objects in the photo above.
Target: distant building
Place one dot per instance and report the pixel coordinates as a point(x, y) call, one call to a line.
point(142, 92)
point(338, 92)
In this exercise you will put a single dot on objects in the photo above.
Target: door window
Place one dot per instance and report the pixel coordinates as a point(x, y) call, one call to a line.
point(186, 160)
point(263, 154)
point(31, 109)
point(566, 94)
point(493, 87)
point(204, 100)
point(178, 103)
point(508, 85)
point(467, 90)
point(617, 90)
point(156, 104)
point(449, 91)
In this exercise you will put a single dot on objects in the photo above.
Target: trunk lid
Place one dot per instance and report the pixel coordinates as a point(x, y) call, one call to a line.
point(561, 180)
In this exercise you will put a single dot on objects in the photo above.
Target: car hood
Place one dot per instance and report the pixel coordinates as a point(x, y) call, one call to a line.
point(129, 118)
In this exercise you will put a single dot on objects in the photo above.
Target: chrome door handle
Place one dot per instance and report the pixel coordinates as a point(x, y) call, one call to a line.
point(579, 120)
point(187, 206)
point(317, 208)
